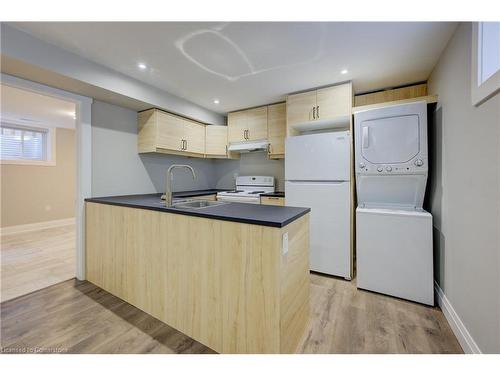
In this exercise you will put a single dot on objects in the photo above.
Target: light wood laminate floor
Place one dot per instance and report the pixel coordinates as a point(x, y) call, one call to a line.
point(35, 260)
point(78, 317)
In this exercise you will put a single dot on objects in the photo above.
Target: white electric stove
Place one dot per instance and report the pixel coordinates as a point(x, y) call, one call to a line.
point(248, 189)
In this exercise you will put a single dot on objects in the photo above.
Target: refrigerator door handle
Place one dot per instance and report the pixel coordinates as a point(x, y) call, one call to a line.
point(366, 137)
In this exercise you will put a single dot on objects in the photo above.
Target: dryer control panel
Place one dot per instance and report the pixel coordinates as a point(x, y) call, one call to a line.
point(416, 166)
point(391, 159)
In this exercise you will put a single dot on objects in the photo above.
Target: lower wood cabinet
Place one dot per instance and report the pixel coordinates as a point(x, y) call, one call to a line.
point(272, 201)
point(226, 284)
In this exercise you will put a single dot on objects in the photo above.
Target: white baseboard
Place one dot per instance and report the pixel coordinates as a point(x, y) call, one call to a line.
point(36, 226)
point(465, 339)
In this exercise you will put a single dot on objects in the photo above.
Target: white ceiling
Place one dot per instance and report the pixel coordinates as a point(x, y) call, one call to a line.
point(24, 107)
point(248, 64)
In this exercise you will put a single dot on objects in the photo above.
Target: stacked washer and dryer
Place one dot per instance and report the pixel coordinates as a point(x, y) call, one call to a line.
point(393, 232)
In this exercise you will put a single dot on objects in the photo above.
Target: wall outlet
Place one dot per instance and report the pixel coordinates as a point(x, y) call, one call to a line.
point(284, 246)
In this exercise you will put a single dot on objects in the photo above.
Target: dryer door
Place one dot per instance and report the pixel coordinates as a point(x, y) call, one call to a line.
point(390, 140)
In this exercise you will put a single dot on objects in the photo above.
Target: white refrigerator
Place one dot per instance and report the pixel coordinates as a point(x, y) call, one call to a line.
point(317, 175)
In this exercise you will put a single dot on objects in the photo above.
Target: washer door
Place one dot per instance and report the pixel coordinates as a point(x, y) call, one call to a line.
point(390, 140)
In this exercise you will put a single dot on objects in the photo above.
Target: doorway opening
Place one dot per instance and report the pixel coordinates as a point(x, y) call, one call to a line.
point(38, 152)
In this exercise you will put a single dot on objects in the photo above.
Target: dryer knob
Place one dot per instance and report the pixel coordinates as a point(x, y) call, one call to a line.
point(361, 165)
point(388, 168)
point(419, 162)
point(380, 169)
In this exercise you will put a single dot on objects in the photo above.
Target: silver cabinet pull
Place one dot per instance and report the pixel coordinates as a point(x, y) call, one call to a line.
point(182, 144)
point(314, 113)
point(317, 111)
point(185, 144)
point(248, 134)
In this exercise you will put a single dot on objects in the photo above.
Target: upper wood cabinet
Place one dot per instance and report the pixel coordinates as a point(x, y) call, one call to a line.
point(276, 130)
point(167, 133)
point(247, 125)
point(194, 135)
point(319, 109)
point(237, 126)
point(335, 101)
point(299, 107)
point(257, 123)
point(216, 141)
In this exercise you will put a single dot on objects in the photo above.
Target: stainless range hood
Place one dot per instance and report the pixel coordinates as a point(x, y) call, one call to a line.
point(249, 146)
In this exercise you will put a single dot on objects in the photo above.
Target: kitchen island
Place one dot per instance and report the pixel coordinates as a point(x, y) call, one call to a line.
point(234, 277)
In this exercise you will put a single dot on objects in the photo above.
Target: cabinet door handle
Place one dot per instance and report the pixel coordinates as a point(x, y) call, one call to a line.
point(314, 113)
point(248, 134)
point(182, 144)
point(185, 144)
point(317, 111)
point(244, 134)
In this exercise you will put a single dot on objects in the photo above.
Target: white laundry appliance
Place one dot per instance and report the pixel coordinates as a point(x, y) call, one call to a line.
point(394, 253)
point(248, 189)
point(317, 175)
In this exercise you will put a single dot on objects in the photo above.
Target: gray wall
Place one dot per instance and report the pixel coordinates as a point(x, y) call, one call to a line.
point(465, 193)
point(31, 58)
point(249, 164)
point(117, 168)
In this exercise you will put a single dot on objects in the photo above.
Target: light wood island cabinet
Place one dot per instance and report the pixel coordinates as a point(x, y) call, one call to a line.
point(231, 286)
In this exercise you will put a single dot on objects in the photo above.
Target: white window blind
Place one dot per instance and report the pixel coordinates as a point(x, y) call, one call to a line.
point(21, 143)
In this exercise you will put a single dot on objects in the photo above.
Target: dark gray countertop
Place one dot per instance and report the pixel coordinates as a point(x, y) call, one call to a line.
point(272, 216)
point(195, 193)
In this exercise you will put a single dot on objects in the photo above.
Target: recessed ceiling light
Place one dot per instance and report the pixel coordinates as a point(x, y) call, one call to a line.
point(344, 71)
point(141, 66)
point(216, 101)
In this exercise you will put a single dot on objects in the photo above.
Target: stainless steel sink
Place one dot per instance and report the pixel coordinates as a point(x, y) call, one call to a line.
point(197, 204)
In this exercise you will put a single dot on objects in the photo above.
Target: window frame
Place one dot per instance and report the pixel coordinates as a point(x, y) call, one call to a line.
point(50, 147)
point(480, 92)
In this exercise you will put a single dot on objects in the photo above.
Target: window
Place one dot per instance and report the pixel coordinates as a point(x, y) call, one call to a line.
point(485, 61)
point(25, 145)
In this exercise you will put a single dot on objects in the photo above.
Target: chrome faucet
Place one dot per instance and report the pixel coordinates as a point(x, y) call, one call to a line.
point(168, 189)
